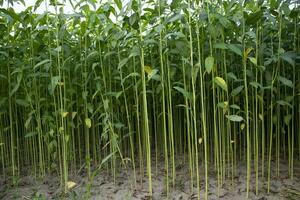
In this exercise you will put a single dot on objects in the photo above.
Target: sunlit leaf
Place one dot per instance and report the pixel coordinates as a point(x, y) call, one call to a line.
point(88, 122)
point(253, 60)
point(221, 82)
point(147, 69)
point(64, 114)
point(71, 185)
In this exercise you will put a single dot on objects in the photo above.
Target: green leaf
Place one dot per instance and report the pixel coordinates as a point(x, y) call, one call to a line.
point(285, 81)
point(284, 103)
point(133, 74)
point(109, 54)
point(153, 74)
point(234, 118)
point(2, 101)
point(133, 19)
point(237, 90)
point(2, 76)
point(232, 76)
point(235, 49)
point(37, 4)
point(41, 63)
point(88, 122)
point(27, 122)
point(67, 138)
point(107, 158)
point(11, 13)
point(287, 119)
point(106, 104)
point(119, 4)
point(135, 51)
point(234, 106)
point(221, 82)
point(254, 17)
point(115, 94)
point(224, 21)
point(61, 129)
point(288, 57)
point(85, 94)
point(223, 105)
point(255, 84)
point(92, 55)
point(122, 63)
point(73, 114)
point(195, 71)
point(54, 82)
point(119, 125)
point(289, 98)
point(185, 93)
point(22, 102)
point(30, 134)
point(174, 18)
point(19, 78)
point(209, 63)
point(58, 49)
point(4, 53)
point(253, 60)
point(221, 46)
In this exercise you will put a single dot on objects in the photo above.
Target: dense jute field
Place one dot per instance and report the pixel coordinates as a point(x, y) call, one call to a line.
point(156, 99)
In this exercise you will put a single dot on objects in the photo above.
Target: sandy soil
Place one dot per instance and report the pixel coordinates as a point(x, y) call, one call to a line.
point(104, 188)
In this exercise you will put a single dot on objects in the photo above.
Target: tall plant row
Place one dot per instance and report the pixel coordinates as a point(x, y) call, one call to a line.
point(112, 86)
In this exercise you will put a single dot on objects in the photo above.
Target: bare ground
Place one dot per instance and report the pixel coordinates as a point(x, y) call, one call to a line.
point(104, 187)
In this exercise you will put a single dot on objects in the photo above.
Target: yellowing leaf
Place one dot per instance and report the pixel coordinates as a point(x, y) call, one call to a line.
point(70, 185)
point(147, 69)
point(223, 105)
point(247, 51)
point(88, 122)
point(200, 140)
point(64, 114)
point(242, 126)
point(221, 82)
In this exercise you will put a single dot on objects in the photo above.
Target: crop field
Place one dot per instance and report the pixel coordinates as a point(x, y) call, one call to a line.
point(150, 99)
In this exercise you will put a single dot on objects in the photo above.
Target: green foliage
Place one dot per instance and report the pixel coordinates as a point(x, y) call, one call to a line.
point(123, 82)
point(209, 64)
